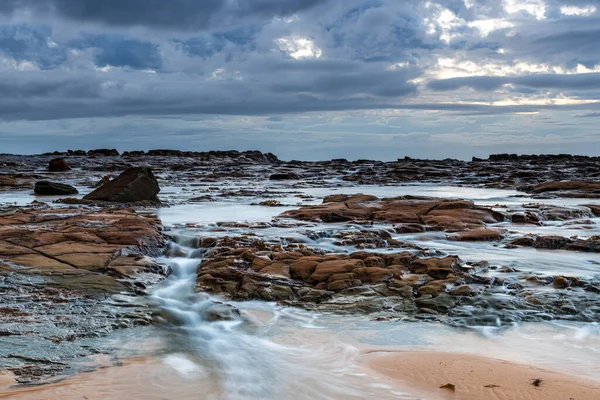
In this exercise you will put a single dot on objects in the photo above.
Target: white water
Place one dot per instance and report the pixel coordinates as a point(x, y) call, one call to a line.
point(238, 354)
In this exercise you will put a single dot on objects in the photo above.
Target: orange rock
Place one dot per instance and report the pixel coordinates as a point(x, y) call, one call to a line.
point(477, 235)
point(326, 269)
point(437, 268)
point(304, 267)
point(373, 274)
point(277, 269)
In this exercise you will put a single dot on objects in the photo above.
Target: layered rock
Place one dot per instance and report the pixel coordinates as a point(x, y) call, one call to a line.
point(433, 213)
point(403, 283)
point(65, 243)
point(591, 244)
point(68, 274)
point(590, 189)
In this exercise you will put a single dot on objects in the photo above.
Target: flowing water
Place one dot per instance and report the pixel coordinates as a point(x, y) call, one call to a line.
point(204, 347)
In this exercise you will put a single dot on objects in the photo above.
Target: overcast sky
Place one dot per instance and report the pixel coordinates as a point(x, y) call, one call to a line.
point(305, 79)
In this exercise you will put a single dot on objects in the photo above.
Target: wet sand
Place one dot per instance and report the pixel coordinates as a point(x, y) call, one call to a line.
point(477, 377)
point(143, 378)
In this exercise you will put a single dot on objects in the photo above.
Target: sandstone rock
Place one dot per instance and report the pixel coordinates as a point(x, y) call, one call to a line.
point(58, 165)
point(354, 198)
point(326, 269)
point(437, 268)
point(436, 214)
point(46, 188)
point(134, 184)
point(579, 186)
point(477, 235)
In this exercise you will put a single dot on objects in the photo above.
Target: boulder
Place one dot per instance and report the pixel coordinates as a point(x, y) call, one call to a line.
point(47, 188)
point(58, 165)
point(134, 184)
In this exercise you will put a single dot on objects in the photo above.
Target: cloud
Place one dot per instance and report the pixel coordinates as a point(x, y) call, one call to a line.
point(172, 14)
point(275, 61)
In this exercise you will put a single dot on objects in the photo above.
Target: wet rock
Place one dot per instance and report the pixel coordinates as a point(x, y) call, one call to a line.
point(594, 208)
point(284, 176)
point(591, 244)
point(366, 239)
point(477, 235)
point(437, 268)
point(58, 165)
point(527, 217)
point(409, 228)
point(570, 188)
point(354, 198)
point(560, 282)
point(435, 214)
point(134, 184)
point(47, 188)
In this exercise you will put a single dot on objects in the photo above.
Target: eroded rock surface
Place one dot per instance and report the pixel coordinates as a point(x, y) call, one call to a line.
point(403, 284)
point(68, 274)
point(432, 213)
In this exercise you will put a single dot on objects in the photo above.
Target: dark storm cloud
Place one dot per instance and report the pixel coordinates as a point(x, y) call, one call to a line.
point(24, 43)
point(121, 52)
point(177, 14)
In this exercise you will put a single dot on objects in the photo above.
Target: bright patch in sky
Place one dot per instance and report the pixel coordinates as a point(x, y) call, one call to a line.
point(536, 8)
point(485, 26)
point(299, 47)
point(580, 11)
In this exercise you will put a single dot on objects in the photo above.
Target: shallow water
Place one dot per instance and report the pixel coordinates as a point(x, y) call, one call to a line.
point(274, 352)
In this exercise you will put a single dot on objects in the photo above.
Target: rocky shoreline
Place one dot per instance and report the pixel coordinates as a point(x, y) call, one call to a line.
point(75, 261)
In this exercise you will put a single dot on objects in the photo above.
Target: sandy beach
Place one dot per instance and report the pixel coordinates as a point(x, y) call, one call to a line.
point(477, 377)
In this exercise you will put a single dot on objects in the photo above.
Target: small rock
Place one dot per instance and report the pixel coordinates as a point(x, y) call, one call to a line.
point(448, 386)
point(560, 282)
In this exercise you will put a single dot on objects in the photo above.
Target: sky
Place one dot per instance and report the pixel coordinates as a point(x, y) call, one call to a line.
point(304, 79)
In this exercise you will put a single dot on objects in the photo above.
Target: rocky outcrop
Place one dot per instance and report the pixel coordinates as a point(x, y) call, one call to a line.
point(47, 188)
point(402, 283)
point(70, 274)
point(133, 185)
point(58, 165)
point(432, 213)
point(76, 242)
